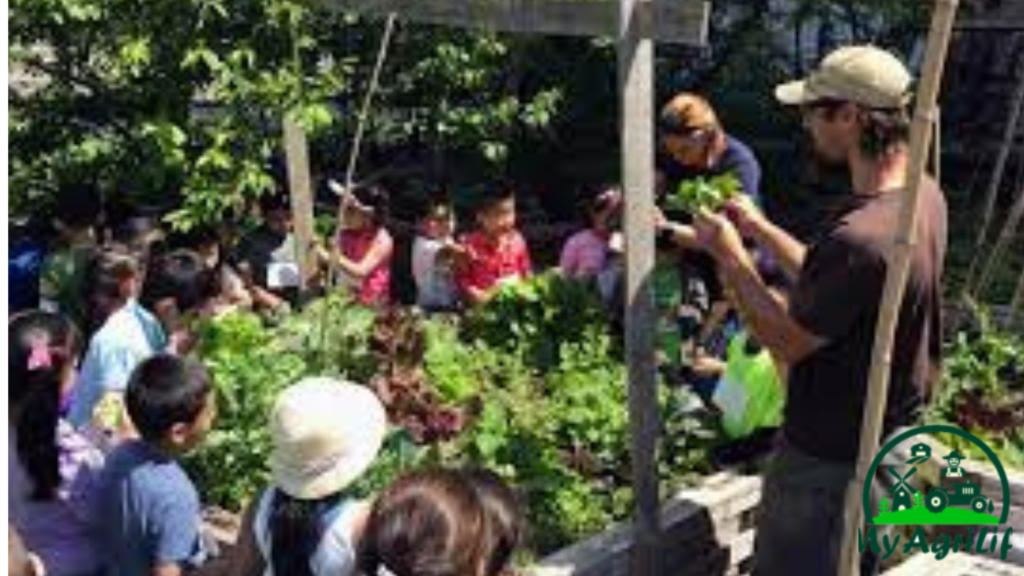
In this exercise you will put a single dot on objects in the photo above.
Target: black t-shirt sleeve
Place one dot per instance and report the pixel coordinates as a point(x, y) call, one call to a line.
point(839, 283)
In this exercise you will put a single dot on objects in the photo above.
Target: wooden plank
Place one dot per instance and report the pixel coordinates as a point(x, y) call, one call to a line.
point(635, 51)
point(680, 22)
point(699, 525)
point(301, 194)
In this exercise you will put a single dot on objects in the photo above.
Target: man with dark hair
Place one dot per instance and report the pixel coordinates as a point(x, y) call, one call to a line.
point(151, 508)
point(853, 107)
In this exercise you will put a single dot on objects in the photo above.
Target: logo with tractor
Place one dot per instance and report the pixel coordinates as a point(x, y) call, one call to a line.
point(957, 499)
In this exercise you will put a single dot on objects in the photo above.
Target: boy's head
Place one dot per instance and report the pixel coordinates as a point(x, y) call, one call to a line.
point(496, 213)
point(171, 403)
point(179, 281)
point(437, 220)
point(114, 277)
point(79, 208)
point(276, 212)
point(140, 234)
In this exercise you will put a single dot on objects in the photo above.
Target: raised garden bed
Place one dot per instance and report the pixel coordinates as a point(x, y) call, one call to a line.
point(707, 529)
point(532, 386)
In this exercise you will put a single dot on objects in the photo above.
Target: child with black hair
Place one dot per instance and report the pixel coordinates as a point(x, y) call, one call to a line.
point(127, 334)
point(364, 246)
point(79, 211)
point(585, 254)
point(497, 252)
point(52, 471)
point(231, 293)
point(179, 289)
point(151, 509)
point(427, 523)
point(262, 257)
point(325, 435)
point(433, 253)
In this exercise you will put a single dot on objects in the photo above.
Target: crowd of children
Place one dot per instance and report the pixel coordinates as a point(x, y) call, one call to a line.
point(104, 397)
point(79, 508)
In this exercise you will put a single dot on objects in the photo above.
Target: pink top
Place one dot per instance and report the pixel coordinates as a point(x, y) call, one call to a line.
point(493, 262)
point(584, 255)
point(375, 288)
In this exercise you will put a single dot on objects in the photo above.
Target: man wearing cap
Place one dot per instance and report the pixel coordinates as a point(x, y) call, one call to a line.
point(854, 109)
point(953, 470)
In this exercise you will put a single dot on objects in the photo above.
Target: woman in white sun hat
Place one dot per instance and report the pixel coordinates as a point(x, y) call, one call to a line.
point(325, 435)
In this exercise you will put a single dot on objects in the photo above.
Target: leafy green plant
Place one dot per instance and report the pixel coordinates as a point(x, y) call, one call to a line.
point(884, 505)
point(251, 363)
point(556, 426)
point(703, 194)
point(982, 390)
point(538, 315)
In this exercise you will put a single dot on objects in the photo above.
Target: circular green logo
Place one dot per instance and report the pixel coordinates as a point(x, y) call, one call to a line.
point(940, 505)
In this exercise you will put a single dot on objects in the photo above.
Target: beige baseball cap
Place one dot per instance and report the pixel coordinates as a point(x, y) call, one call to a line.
point(325, 434)
point(866, 75)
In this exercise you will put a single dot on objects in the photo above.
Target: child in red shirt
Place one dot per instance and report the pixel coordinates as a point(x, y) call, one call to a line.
point(496, 252)
point(364, 246)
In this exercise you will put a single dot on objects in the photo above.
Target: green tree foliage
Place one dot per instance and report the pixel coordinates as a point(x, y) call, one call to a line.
point(157, 97)
point(884, 505)
point(179, 103)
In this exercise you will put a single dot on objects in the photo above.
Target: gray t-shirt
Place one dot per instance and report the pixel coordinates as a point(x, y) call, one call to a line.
point(150, 512)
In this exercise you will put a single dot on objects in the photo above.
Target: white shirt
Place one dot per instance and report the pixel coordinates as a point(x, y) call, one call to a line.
point(435, 288)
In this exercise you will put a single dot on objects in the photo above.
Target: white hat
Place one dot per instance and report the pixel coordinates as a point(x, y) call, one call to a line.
point(867, 75)
point(325, 434)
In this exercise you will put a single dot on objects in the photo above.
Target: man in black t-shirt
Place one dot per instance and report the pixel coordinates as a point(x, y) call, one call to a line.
point(854, 109)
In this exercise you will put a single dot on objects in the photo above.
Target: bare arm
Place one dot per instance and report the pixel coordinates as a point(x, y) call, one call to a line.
point(167, 569)
point(379, 251)
point(767, 317)
point(781, 245)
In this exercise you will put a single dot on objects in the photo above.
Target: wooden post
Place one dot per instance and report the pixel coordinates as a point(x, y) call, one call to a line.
point(992, 194)
point(636, 98)
point(1003, 240)
point(301, 194)
point(895, 279)
point(1017, 303)
point(937, 146)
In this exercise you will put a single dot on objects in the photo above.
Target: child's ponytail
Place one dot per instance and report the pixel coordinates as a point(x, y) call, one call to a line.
point(41, 346)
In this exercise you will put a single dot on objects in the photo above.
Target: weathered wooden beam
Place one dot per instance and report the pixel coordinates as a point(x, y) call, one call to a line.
point(675, 21)
point(301, 194)
point(635, 50)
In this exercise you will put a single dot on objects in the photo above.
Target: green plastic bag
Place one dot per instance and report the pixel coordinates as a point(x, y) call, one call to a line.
point(750, 393)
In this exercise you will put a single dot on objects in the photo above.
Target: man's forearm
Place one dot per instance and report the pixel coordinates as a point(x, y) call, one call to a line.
point(784, 248)
point(766, 316)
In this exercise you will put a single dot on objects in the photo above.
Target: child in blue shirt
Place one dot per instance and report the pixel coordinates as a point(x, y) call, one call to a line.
point(127, 335)
point(151, 509)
